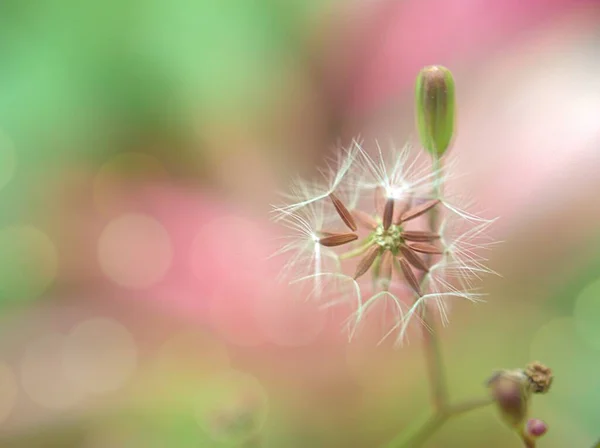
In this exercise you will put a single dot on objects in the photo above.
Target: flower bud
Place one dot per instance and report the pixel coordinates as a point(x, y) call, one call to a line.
point(511, 390)
point(536, 428)
point(435, 108)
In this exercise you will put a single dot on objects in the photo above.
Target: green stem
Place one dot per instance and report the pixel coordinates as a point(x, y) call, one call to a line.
point(424, 430)
point(435, 364)
point(358, 251)
point(431, 343)
point(528, 441)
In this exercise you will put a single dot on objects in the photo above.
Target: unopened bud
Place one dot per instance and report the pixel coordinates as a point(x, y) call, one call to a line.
point(511, 391)
point(435, 108)
point(536, 428)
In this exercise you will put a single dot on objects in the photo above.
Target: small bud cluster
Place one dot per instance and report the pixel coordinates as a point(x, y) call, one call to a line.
point(512, 391)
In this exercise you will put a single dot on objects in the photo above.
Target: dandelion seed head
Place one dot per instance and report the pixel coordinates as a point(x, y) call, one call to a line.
point(372, 213)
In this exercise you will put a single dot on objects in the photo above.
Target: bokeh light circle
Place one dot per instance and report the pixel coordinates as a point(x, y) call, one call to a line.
point(28, 262)
point(228, 245)
point(135, 251)
point(8, 159)
point(9, 390)
point(232, 407)
point(228, 259)
point(42, 374)
point(99, 355)
point(587, 314)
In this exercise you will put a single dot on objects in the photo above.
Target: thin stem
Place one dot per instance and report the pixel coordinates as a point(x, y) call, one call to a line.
point(424, 430)
point(431, 343)
point(433, 355)
point(470, 405)
point(358, 251)
point(416, 436)
point(435, 364)
point(528, 441)
point(436, 165)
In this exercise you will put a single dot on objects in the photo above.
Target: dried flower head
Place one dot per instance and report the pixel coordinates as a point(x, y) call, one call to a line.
point(540, 377)
point(376, 213)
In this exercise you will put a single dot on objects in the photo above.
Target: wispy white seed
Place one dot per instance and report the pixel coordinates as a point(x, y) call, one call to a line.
point(410, 276)
point(422, 236)
point(329, 239)
point(417, 211)
point(399, 210)
point(343, 212)
point(364, 219)
point(388, 213)
point(367, 260)
point(425, 248)
point(413, 258)
point(385, 269)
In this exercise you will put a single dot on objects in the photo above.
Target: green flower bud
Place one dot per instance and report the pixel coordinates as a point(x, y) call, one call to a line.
point(435, 108)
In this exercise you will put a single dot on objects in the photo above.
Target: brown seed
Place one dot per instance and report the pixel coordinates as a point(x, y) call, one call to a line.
point(419, 235)
point(419, 210)
point(364, 219)
point(388, 213)
point(367, 260)
point(385, 269)
point(400, 210)
point(425, 248)
point(413, 258)
point(409, 276)
point(336, 239)
point(343, 212)
point(379, 200)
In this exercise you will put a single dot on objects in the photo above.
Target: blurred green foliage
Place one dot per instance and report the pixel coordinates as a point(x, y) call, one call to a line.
point(83, 80)
point(86, 79)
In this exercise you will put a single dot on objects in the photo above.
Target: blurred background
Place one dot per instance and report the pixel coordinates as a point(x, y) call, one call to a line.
point(141, 145)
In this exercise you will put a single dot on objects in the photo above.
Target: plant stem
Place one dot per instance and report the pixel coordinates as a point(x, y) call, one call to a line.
point(528, 441)
point(431, 343)
point(366, 244)
point(419, 435)
point(435, 365)
point(442, 411)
